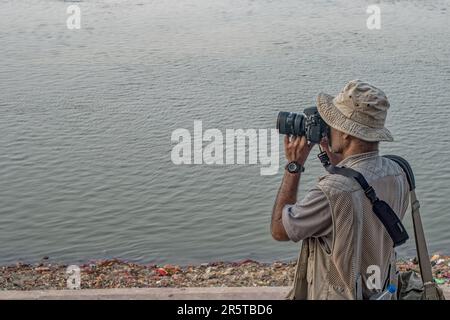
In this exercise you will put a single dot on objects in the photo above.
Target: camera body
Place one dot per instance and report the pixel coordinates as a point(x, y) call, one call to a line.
point(309, 124)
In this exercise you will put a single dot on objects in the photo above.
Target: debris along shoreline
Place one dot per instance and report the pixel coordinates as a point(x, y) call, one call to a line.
point(114, 273)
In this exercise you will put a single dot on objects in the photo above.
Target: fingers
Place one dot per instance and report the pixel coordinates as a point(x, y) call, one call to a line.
point(297, 148)
point(300, 142)
point(324, 145)
point(297, 142)
point(291, 141)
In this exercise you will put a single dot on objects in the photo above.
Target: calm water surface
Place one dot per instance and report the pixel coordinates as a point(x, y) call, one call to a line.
point(86, 118)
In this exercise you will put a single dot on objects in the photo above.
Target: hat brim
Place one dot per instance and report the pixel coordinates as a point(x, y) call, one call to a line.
point(335, 119)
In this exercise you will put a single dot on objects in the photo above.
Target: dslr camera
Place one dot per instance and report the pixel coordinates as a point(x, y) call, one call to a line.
point(308, 124)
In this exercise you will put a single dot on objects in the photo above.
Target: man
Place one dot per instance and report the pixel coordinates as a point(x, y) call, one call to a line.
point(346, 251)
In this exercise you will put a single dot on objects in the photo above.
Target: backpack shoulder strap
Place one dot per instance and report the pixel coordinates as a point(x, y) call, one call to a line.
point(421, 244)
point(406, 168)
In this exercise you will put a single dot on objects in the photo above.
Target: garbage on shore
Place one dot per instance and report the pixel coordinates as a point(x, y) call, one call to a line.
point(116, 273)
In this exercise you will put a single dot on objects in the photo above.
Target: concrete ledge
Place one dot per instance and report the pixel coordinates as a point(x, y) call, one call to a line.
point(204, 293)
point(209, 293)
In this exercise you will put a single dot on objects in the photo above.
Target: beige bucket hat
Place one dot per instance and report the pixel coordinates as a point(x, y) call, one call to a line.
point(359, 110)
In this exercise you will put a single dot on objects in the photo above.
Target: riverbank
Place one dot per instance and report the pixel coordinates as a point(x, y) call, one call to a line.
point(114, 273)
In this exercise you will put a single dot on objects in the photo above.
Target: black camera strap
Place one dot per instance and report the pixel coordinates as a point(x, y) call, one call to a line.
point(382, 210)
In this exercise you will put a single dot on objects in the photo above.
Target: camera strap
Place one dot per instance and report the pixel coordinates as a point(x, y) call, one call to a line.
point(382, 210)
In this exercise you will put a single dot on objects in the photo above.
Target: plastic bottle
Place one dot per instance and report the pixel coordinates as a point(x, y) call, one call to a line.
point(386, 294)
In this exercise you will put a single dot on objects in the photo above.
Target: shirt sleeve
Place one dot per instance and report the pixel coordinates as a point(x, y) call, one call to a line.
point(311, 217)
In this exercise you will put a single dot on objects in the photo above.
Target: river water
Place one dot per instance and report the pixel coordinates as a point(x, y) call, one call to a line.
point(86, 117)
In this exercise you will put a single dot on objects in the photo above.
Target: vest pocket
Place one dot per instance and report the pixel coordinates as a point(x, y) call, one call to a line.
point(338, 293)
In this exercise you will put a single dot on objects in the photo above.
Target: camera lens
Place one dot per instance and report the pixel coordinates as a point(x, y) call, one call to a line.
point(281, 122)
point(290, 123)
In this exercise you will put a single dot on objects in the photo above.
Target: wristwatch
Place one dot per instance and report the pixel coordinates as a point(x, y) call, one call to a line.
point(294, 167)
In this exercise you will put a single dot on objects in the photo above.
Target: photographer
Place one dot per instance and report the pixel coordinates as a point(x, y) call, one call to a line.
point(342, 237)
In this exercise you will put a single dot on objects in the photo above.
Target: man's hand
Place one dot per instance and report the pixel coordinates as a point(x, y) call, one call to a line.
point(296, 149)
point(334, 157)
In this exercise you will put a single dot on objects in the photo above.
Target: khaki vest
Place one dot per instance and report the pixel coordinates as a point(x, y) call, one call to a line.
point(360, 241)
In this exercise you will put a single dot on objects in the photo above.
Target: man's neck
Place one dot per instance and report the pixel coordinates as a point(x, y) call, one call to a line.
point(353, 151)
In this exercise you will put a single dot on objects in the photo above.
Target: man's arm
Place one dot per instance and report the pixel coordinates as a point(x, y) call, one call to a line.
point(296, 149)
point(287, 194)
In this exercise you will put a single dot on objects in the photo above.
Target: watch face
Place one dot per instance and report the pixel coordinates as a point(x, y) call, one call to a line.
point(292, 167)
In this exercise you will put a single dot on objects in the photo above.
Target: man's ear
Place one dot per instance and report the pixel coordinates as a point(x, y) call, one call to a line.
point(346, 140)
